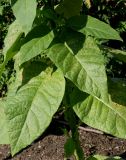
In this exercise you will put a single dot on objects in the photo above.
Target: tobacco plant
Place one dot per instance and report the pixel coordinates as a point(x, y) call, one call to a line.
point(59, 61)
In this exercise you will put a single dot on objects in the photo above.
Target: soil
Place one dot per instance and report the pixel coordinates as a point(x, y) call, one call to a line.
point(51, 145)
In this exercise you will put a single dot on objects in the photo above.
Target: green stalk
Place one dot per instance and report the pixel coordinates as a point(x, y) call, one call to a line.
point(70, 117)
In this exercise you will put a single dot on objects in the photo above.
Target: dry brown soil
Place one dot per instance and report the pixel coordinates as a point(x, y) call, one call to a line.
point(51, 146)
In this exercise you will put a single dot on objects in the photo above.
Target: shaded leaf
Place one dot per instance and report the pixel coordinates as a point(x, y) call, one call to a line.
point(118, 84)
point(69, 8)
point(31, 70)
point(74, 40)
point(77, 22)
point(119, 54)
point(24, 75)
point(49, 13)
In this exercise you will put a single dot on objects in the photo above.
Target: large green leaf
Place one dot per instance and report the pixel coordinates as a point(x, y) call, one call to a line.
point(110, 118)
point(92, 26)
point(69, 8)
point(85, 69)
point(4, 138)
point(30, 111)
point(25, 12)
point(36, 42)
point(12, 43)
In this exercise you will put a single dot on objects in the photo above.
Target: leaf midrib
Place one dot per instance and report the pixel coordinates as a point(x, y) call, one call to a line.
point(41, 82)
point(109, 106)
point(84, 70)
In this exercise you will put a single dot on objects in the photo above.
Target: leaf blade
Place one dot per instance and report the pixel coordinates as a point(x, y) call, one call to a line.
point(25, 12)
point(12, 43)
point(94, 27)
point(33, 112)
point(37, 41)
point(109, 118)
point(4, 137)
point(100, 29)
point(82, 69)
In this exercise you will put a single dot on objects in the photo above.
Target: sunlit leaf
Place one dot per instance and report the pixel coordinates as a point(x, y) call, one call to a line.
point(85, 68)
point(12, 43)
point(31, 110)
point(94, 27)
point(4, 138)
point(25, 12)
point(110, 118)
point(100, 157)
point(37, 41)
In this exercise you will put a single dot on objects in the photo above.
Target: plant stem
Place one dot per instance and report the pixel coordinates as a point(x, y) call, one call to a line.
point(70, 117)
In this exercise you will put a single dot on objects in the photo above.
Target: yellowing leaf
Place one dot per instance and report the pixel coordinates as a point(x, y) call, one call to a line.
point(88, 3)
